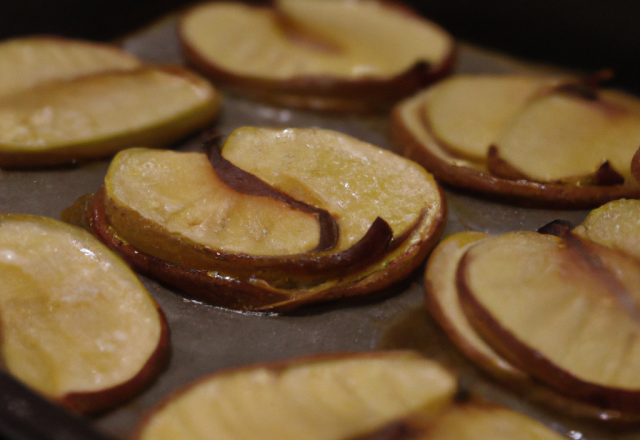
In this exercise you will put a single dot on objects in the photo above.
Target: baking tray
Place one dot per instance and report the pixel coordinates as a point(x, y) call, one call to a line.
point(205, 339)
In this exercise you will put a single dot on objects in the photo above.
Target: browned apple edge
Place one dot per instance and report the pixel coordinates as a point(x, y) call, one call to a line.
point(99, 401)
point(520, 192)
point(533, 362)
point(233, 292)
point(323, 92)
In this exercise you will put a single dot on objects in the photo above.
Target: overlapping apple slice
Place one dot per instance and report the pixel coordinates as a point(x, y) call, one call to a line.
point(552, 141)
point(282, 218)
point(444, 303)
point(64, 100)
point(561, 309)
point(329, 55)
point(76, 323)
point(324, 397)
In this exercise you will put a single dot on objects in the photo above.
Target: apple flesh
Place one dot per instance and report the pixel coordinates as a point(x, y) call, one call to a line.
point(33, 61)
point(326, 397)
point(329, 55)
point(574, 328)
point(77, 324)
point(97, 115)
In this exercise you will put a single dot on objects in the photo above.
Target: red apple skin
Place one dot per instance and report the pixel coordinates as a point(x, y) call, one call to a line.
point(99, 401)
point(527, 359)
point(328, 93)
point(519, 192)
point(239, 294)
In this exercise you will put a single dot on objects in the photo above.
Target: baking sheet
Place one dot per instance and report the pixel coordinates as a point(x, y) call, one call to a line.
point(205, 339)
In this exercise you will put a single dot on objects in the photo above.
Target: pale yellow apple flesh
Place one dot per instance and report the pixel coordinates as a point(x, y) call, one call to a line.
point(97, 115)
point(353, 180)
point(32, 61)
point(314, 399)
point(484, 422)
point(443, 301)
point(356, 39)
point(615, 225)
point(563, 137)
point(75, 320)
point(165, 202)
point(558, 311)
point(467, 113)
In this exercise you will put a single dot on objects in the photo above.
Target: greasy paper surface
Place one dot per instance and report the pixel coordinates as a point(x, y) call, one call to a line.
point(205, 339)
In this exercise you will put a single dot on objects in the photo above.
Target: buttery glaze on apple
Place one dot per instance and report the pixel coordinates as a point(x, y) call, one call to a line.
point(76, 323)
point(179, 218)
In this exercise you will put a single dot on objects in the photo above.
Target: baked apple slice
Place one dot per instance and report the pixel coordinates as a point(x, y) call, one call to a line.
point(327, 55)
point(563, 310)
point(76, 323)
point(614, 225)
point(32, 61)
point(323, 397)
point(524, 117)
point(95, 116)
point(269, 248)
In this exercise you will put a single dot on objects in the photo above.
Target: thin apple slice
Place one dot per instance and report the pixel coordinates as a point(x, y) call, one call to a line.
point(467, 113)
point(486, 421)
point(331, 55)
point(354, 180)
point(615, 225)
point(77, 324)
point(98, 115)
point(325, 397)
point(567, 136)
point(31, 61)
point(189, 212)
point(443, 302)
point(555, 309)
point(416, 139)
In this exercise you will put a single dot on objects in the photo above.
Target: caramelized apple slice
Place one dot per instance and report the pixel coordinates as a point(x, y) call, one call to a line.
point(443, 303)
point(555, 309)
point(332, 55)
point(95, 116)
point(32, 61)
point(77, 325)
point(467, 113)
point(615, 225)
point(326, 397)
point(354, 180)
point(567, 137)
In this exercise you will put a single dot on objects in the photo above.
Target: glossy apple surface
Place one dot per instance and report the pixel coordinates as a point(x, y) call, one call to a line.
point(331, 55)
point(562, 310)
point(32, 61)
point(97, 115)
point(325, 397)
point(77, 324)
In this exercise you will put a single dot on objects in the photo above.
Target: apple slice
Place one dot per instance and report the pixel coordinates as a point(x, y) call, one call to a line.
point(614, 225)
point(239, 239)
point(455, 158)
point(567, 136)
point(486, 421)
point(466, 113)
point(555, 308)
point(324, 397)
point(329, 55)
point(95, 116)
point(31, 61)
point(76, 323)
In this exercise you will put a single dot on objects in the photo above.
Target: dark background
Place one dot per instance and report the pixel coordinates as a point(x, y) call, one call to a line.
point(585, 34)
